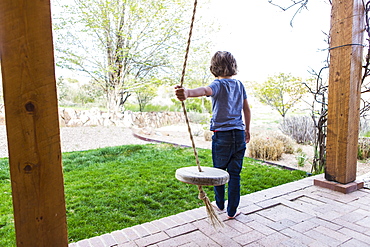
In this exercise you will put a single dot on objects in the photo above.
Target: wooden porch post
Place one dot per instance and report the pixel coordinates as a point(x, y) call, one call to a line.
point(27, 63)
point(347, 27)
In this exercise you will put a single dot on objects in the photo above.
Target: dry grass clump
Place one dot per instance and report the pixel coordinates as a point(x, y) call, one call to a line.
point(270, 146)
point(287, 141)
point(363, 148)
point(265, 148)
point(208, 135)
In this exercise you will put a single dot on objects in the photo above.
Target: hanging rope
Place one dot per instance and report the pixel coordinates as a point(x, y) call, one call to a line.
point(182, 83)
point(215, 221)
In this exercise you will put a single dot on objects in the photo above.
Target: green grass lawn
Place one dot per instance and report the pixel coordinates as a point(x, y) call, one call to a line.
point(117, 187)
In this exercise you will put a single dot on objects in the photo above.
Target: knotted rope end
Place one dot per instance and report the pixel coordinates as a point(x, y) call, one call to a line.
point(215, 221)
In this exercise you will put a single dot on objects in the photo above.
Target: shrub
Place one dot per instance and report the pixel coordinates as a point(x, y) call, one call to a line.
point(364, 127)
point(300, 128)
point(265, 148)
point(301, 158)
point(207, 135)
point(199, 118)
point(363, 148)
point(286, 140)
point(150, 108)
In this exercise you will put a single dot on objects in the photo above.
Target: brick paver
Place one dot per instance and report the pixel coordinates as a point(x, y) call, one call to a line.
point(294, 214)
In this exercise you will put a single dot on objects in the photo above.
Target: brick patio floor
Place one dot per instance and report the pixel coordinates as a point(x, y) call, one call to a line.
point(293, 214)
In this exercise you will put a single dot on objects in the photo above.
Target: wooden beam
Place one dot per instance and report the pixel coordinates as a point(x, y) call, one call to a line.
point(347, 27)
point(27, 63)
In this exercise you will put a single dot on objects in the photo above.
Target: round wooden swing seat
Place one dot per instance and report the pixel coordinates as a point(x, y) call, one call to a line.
point(209, 176)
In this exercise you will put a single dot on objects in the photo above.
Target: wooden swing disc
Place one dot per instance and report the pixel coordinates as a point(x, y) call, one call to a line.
point(210, 176)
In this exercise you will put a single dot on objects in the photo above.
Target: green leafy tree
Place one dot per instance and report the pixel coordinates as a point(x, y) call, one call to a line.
point(121, 44)
point(73, 92)
point(145, 94)
point(62, 89)
point(281, 92)
point(200, 105)
point(198, 73)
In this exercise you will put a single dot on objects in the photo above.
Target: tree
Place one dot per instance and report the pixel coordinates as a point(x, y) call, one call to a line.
point(300, 5)
point(144, 95)
point(121, 44)
point(73, 92)
point(198, 75)
point(281, 92)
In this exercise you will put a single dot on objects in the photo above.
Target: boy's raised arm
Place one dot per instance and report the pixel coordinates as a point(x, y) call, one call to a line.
point(183, 93)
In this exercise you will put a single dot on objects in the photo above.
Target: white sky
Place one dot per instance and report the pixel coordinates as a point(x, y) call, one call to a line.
point(260, 36)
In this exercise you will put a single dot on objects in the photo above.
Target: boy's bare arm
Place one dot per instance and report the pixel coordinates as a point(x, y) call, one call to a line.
point(200, 91)
point(183, 93)
point(247, 119)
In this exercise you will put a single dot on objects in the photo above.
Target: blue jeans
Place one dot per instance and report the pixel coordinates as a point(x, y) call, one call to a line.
point(228, 148)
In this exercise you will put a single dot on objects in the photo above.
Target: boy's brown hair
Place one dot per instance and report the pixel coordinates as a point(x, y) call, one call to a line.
point(223, 63)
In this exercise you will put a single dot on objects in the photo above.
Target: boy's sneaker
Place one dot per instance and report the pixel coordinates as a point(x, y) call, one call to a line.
point(233, 217)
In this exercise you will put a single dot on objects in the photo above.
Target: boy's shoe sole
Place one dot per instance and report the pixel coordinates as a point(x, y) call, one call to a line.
point(233, 217)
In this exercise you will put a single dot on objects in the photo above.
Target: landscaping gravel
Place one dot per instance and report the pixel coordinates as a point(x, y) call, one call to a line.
point(84, 138)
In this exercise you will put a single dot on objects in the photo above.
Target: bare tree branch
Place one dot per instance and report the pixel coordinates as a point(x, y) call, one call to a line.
point(302, 4)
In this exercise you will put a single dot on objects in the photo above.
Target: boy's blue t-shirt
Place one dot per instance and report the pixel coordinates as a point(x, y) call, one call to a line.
point(227, 104)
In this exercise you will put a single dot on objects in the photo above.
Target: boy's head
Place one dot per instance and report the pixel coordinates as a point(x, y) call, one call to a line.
point(223, 64)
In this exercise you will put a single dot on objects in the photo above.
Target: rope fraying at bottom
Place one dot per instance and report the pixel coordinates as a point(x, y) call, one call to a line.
point(215, 221)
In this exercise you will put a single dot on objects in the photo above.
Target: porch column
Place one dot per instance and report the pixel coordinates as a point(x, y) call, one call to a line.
point(347, 27)
point(27, 63)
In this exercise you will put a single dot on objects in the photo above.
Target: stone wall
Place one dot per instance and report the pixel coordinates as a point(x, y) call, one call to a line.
point(73, 118)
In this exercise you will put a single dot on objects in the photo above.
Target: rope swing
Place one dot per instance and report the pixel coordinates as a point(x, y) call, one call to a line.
point(197, 175)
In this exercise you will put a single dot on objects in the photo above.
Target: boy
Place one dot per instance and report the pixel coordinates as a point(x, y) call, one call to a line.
point(230, 136)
